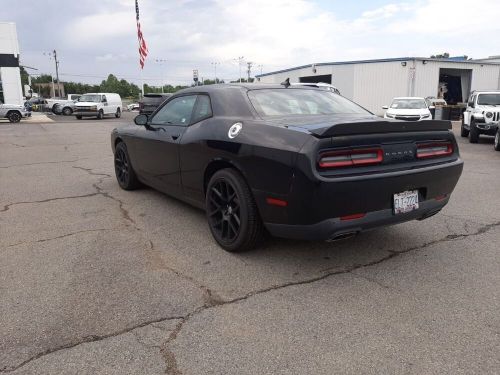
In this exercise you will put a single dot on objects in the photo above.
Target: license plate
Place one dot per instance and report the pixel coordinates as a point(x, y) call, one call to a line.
point(406, 201)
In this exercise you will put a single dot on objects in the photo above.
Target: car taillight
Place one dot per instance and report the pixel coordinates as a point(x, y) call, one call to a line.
point(434, 149)
point(350, 158)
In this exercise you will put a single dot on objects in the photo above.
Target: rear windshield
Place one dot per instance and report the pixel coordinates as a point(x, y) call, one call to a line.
point(291, 101)
point(488, 99)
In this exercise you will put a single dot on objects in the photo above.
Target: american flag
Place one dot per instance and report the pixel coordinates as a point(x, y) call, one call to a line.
point(143, 49)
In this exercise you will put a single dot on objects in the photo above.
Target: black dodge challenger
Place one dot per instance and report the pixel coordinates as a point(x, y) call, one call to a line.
point(299, 162)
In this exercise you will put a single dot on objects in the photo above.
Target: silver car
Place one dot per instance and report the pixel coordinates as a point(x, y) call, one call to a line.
point(13, 112)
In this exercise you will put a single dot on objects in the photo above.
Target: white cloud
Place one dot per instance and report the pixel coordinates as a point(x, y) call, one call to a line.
point(190, 34)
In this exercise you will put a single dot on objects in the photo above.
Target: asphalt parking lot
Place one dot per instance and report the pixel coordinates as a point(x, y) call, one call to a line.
point(97, 280)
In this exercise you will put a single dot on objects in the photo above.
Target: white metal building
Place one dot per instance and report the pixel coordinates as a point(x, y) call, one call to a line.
point(373, 83)
point(10, 75)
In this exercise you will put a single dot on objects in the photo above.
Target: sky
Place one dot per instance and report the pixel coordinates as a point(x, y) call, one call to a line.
point(96, 37)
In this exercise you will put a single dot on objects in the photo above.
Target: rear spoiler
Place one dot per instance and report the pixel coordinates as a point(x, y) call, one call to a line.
point(372, 127)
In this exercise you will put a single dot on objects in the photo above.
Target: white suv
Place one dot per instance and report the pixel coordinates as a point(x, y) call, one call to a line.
point(13, 112)
point(482, 115)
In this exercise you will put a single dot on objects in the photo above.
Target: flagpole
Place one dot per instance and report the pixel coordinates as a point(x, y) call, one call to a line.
point(142, 84)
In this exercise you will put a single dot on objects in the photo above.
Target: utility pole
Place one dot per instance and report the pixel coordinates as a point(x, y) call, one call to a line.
point(249, 69)
point(57, 73)
point(215, 70)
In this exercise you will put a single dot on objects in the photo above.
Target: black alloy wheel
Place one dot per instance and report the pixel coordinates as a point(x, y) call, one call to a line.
point(231, 211)
point(125, 175)
point(14, 116)
point(118, 113)
point(78, 117)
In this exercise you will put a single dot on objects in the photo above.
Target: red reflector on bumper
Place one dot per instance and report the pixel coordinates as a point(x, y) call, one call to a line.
point(276, 202)
point(441, 197)
point(352, 217)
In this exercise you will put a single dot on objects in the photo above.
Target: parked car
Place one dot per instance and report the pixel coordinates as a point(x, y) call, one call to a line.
point(133, 107)
point(63, 103)
point(65, 108)
point(98, 105)
point(325, 86)
point(36, 104)
point(497, 139)
point(13, 112)
point(301, 162)
point(150, 102)
point(482, 115)
point(408, 109)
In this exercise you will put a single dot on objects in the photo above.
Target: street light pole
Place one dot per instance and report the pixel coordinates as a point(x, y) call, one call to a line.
point(215, 70)
point(240, 59)
point(162, 62)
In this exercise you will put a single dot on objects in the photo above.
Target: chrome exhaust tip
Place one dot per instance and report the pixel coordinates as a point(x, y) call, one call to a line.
point(342, 236)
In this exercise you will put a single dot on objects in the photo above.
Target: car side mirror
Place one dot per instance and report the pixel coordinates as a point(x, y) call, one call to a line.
point(385, 107)
point(104, 101)
point(432, 107)
point(141, 120)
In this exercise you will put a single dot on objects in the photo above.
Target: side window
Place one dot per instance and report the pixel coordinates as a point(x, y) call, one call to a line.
point(203, 108)
point(176, 112)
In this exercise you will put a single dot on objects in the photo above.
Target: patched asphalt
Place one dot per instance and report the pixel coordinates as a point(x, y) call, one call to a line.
point(97, 280)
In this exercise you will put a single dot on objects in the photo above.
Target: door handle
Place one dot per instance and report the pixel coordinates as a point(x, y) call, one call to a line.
point(175, 136)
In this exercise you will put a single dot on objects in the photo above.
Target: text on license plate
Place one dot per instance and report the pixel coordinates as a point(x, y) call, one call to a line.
point(406, 201)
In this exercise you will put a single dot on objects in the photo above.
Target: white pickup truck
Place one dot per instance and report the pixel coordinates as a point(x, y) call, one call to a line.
point(55, 103)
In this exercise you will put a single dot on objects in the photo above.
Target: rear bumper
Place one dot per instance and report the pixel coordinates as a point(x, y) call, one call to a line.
point(314, 207)
point(336, 227)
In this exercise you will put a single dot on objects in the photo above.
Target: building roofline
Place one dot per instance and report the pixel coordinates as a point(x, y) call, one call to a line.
point(393, 59)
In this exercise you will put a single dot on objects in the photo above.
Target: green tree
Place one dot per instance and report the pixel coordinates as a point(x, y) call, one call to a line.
point(445, 55)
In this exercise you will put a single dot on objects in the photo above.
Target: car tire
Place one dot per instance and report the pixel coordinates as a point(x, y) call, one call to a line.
point(14, 116)
point(67, 111)
point(118, 113)
point(100, 114)
point(232, 213)
point(78, 117)
point(497, 140)
point(125, 174)
point(464, 132)
point(53, 109)
point(473, 132)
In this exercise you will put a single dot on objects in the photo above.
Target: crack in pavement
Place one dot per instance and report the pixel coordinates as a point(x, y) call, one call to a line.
point(64, 235)
point(171, 362)
point(172, 366)
point(123, 210)
point(91, 172)
point(12, 144)
point(84, 340)
point(42, 162)
point(8, 206)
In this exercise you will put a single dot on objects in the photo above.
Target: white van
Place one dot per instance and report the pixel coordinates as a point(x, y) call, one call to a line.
point(98, 104)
